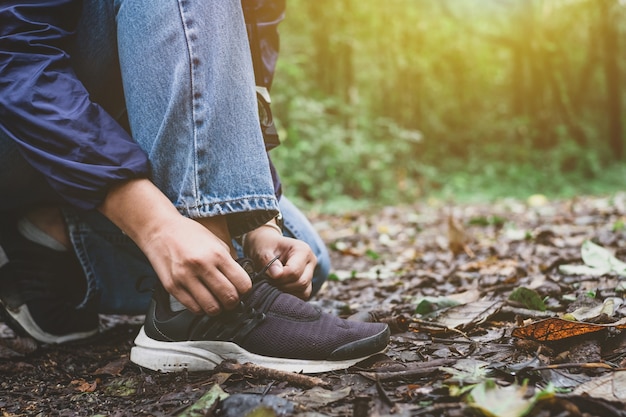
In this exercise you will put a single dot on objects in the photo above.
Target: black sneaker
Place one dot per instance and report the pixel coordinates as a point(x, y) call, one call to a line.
point(40, 289)
point(270, 328)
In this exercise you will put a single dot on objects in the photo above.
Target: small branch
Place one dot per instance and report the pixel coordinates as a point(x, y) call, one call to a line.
point(430, 325)
point(262, 372)
point(450, 341)
point(383, 394)
point(593, 365)
point(411, 373)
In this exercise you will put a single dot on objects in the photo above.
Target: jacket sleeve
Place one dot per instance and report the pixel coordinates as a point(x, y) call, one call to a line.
point(80, 149)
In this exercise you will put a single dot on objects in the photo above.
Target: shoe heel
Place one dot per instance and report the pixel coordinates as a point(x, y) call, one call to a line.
point(169, 361)
point(171, 356)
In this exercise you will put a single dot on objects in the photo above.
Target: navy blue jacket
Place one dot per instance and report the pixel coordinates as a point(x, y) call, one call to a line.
point(81, 150)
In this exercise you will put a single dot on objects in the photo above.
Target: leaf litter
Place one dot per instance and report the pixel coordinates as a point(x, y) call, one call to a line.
point(514, 308)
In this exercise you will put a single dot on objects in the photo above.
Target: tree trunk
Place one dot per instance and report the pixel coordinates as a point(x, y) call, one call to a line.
point(613, 80)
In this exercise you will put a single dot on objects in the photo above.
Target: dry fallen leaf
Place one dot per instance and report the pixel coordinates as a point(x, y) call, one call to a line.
point(457, 238)
point(85, 386)
point(113, 368)
point(610, 387)
point(555, 328)
point(466, 316)
point(317, 396)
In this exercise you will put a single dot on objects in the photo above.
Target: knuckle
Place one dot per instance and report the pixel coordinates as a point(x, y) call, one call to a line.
point(195, 309)
point(170, 286)
point(230, 300)
point(302, 285)
point(194, 260)
point(221, 257)
point(212, 309)
point(245, 286)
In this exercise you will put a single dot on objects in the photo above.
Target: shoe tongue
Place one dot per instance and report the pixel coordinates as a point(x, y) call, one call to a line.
point(267, 298)
point(259, 295)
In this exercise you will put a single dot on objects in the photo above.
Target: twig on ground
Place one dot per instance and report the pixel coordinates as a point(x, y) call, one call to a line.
point(451, 341)
point(411, 373)
point(427, 324)
point(592, 365)
point(383, 394)
point(262, 372)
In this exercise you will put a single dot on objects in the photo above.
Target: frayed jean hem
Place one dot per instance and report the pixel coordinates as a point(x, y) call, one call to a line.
point(243, 214)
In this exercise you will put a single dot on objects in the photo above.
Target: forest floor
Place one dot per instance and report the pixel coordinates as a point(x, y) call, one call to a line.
point(504, 309)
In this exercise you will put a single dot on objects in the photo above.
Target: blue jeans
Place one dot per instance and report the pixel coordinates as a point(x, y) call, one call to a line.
point(184, 81)
point(120, 278)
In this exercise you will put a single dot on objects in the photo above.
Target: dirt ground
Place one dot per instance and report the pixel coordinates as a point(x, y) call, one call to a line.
point(476, 296)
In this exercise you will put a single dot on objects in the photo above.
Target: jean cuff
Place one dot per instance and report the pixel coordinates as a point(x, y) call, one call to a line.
point(242, 214)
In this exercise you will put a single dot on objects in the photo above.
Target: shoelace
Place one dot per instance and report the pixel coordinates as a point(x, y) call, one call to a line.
point(236, 324)
point(246, 264)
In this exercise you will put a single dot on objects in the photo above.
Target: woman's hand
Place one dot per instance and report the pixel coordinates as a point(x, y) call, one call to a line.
point(292, 272)
point(196, 267)
point(193, 263)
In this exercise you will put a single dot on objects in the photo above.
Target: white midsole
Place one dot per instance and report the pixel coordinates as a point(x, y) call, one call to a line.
point(206, 355)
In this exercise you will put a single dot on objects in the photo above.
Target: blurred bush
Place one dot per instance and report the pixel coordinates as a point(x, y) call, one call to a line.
point(389, 101)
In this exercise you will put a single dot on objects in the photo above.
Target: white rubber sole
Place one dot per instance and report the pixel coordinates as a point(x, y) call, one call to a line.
point(22, 316)
point(205, 356)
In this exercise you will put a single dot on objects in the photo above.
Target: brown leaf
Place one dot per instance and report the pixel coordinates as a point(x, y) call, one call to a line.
point(457, 238)
point(114, 368)
point(84, 386)
point(492, 266)
point(555, 328)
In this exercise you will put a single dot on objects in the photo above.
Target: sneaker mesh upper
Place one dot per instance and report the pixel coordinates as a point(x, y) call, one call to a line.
point(294, 328)
point(270, 323)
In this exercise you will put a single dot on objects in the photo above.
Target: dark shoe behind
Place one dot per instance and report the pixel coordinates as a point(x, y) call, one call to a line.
point(40, 289)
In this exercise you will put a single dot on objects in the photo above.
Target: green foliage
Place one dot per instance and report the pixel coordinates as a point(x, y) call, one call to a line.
point(427, 305)
point(323, 157)
point(487, 221)
point(391, 101)
point(618, 225)
point(528, 298)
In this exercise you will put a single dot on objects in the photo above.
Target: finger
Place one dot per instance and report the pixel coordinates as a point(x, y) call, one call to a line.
point(221, 288)
point(276, 269)
point(236, 275)
point(295, 269)
point(207, 299)
point(224, 279)
point(269, 262)
point(301, 289)
point(212, 302)
point(198, 300)
point(298, 284)
point(188, 301)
